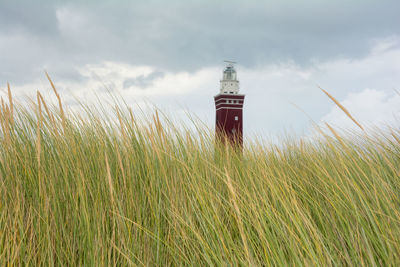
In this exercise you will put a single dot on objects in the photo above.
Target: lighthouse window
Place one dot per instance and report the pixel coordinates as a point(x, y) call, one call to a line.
point(236, 118)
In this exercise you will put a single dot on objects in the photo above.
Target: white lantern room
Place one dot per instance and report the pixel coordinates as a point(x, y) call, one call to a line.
point(229, 82)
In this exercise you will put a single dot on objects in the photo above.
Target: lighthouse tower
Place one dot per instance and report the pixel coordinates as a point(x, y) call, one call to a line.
point(229, 107)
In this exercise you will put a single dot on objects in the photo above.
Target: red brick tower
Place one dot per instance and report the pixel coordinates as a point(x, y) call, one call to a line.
point(229, 107)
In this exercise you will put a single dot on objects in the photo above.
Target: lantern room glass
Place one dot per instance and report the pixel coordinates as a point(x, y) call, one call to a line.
point(229, 73)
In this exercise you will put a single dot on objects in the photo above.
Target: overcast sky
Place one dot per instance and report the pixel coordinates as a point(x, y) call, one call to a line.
point(171, 53)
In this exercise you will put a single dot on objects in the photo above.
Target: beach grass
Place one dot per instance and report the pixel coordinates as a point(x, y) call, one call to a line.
point(104, 189)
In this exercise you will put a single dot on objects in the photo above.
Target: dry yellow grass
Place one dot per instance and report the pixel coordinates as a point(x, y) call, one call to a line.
point(146, 192)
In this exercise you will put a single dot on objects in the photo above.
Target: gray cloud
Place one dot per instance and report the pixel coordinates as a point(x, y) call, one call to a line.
point(143, 81)
point(188, 35)
point(28, 17)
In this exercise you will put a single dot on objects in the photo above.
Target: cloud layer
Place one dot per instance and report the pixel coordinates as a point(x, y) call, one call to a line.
point(185, 36)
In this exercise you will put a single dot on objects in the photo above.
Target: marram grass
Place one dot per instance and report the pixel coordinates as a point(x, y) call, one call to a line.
point(98, 190)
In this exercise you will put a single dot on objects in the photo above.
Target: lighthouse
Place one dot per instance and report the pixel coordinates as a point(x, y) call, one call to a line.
point(229, 107)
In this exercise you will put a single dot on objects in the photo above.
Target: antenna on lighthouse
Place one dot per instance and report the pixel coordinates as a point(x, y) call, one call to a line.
point(230, 62)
